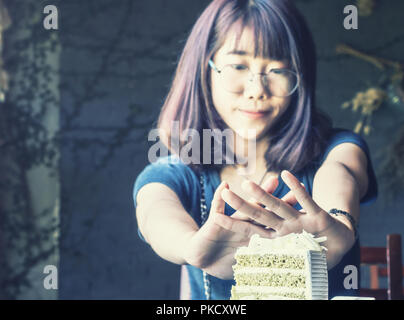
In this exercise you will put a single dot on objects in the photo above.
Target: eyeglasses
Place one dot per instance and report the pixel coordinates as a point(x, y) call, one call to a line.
point(279, 82)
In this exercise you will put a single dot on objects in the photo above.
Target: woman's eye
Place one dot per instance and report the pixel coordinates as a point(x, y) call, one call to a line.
point(279, 71)
point(239, 67)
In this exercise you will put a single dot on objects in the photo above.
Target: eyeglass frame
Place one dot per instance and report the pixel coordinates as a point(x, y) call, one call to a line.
point(215, 68)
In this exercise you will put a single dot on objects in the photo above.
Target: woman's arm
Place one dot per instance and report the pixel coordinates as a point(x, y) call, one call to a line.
point(340, 183)
point(342, 180)
point(163, 221)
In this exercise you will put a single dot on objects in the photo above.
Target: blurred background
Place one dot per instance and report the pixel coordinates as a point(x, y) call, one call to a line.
point(77, 103)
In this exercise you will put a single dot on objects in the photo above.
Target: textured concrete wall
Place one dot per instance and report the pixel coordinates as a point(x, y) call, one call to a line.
point(117, 63)
point(29, 178)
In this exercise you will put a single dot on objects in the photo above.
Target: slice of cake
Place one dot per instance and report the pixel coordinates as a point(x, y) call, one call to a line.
point(289, 267)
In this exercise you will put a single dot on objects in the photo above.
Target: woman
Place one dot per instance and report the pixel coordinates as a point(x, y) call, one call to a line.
point(251, 65)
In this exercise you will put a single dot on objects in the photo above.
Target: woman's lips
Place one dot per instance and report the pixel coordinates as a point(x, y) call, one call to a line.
point(254, 114)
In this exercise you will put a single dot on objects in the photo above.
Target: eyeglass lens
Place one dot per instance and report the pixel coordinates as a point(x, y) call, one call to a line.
point(279, 82)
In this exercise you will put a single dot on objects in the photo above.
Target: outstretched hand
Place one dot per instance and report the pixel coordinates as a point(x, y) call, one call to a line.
point(278, 215)
point(269, 187)
point(212, 247)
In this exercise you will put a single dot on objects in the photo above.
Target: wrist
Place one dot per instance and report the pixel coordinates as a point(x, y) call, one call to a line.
point(188, 253)
point(351, 222)
point(327, 223)
point(340, 237)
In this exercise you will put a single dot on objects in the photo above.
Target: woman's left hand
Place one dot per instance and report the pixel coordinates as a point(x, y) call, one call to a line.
point(278, 214)
point(281, 218)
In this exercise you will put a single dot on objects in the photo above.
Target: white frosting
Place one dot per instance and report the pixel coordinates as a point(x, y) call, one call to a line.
point(293, 243)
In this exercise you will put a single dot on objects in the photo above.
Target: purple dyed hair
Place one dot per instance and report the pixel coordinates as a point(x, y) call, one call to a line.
point(280, 33)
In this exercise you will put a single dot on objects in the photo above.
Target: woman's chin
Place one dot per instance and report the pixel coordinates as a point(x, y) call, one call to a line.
point(250, 133)
point(246, 133)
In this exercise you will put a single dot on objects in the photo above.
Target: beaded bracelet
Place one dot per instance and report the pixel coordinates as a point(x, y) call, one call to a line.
point(351, 219)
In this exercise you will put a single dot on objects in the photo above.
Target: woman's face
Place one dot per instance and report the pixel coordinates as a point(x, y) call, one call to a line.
point(253, 106)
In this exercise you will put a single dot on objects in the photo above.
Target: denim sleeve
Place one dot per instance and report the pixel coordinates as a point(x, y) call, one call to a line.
point(347, 136)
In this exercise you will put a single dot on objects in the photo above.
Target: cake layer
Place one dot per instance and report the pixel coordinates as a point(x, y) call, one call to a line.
point(314, 277)
point(270, 260)
point(266, 293)
point(239, 269)
point(284, 279)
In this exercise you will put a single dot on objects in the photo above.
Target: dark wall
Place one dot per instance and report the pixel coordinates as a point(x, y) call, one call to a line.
point(117, 63)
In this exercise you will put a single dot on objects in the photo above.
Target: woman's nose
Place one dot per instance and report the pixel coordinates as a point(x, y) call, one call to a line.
point(255, 88)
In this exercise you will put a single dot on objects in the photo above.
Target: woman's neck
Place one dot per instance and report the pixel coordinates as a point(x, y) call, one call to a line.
point(253, 151)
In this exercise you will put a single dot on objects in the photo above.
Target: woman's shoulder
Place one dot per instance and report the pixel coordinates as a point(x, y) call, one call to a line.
point(170, 171)
point(172, 162)
point(339, 136)
point(169, 167)
point(341, 133)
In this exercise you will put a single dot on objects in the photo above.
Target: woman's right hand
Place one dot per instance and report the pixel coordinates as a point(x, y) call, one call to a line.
point(212, 247)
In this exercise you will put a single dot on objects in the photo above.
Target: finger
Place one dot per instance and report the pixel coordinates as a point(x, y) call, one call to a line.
point(276, 205)
point(302, 196)
point(270, 184)
point(252, 210)
point(218, 204)
point(290, 198)
point(242, 227)
point(240, 216)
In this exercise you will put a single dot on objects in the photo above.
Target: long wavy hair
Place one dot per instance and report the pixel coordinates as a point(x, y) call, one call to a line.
point(280, 32)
